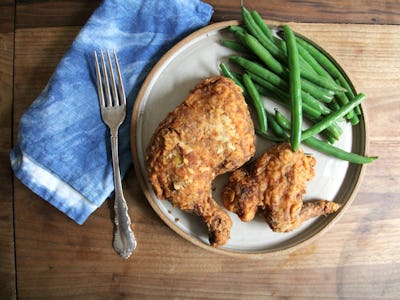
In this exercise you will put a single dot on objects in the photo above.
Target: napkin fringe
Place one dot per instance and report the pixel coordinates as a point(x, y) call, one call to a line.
point(51, 188)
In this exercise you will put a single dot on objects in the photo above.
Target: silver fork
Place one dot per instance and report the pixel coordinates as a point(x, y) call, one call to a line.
point(113, 112)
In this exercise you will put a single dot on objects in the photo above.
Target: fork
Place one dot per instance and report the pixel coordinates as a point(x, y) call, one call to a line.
point(113, 113)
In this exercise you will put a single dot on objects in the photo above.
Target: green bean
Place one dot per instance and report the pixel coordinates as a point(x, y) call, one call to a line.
point(234, 46)
point(331, 133)
point(334, 130)
point(274, 45)
point(333, 105)
point(337, 152)
point(295, 88)
point(276, 67)
point(282, 121)
point(270, 137)
point(277, 130)
point(260, 23)
point(242, 47)
point(225, 70)
point(317, 92)
point(340, 96)
point(351, 115)
point(280, 55)
point(320, 81)
point(311, 106)
point(279, 51)
point(258, 105)
point(280, 44)
point(312, 113)
point(264, 55)
point(322, 72)
point(330, 139)
point(251, 25)
point(343, 81)
point(263, 34)
point(328, 135)
point(277, 48)
point(238, 32)
point(327, 121)
point(343, 99)
point(240, 37)
point(330, 67)
point(320, 58)
point(324, 147)
point(236, 28)
point(305, 67)
point(253, 28)
point(259, 70)
point(307, 98)
point(312, 61)
point(283, 98)
point(270, 76)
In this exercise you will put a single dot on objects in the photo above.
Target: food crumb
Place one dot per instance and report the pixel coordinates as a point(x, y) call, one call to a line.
point(169, 211)
point(176, 219)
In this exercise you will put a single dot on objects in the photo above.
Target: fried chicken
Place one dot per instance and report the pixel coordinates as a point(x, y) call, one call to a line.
point(211, 133)
point(275, 184)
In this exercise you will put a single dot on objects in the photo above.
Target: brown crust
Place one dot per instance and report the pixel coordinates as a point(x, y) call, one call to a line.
point(275, 183)
point(210, 133)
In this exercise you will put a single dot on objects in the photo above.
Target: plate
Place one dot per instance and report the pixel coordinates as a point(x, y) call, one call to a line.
point(168, 84)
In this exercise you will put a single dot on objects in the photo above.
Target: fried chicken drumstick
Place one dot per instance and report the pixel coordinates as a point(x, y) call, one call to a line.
point(275, 183)
point(211, 133)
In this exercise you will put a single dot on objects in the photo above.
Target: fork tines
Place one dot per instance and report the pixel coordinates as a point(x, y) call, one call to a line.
point(117, 90)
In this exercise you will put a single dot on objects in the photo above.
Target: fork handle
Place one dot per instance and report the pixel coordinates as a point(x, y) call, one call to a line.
point(124, 240)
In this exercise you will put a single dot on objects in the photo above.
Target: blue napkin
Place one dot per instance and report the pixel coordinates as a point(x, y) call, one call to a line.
point(63, 152)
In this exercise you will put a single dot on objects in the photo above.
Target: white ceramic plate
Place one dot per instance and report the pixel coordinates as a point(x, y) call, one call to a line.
point(195, 58)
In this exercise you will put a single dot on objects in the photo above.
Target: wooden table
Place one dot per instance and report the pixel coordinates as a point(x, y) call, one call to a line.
point(43, 254)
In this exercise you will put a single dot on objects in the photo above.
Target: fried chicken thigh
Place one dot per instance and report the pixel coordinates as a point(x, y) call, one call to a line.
point(275, 183)
point(209, 134)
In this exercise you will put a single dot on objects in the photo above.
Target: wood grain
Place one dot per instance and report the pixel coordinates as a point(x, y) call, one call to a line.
point(331, 11)
point(31, 14)
point(44, 13)
point(7, 254)
point(357, 257)
point(7, 263)
point(7, 16)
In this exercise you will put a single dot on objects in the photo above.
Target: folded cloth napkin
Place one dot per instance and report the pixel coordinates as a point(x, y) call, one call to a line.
point(63, 152)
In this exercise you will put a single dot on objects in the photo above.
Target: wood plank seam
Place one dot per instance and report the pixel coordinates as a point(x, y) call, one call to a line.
point(12, 145)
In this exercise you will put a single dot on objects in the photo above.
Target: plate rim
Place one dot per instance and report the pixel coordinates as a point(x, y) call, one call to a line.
point(142, 177)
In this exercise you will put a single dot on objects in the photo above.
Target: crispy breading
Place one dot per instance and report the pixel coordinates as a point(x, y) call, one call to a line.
point(275, 183)
point(209, 134)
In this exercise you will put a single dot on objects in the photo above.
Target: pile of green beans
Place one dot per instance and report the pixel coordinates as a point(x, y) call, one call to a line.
point(292, 71)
